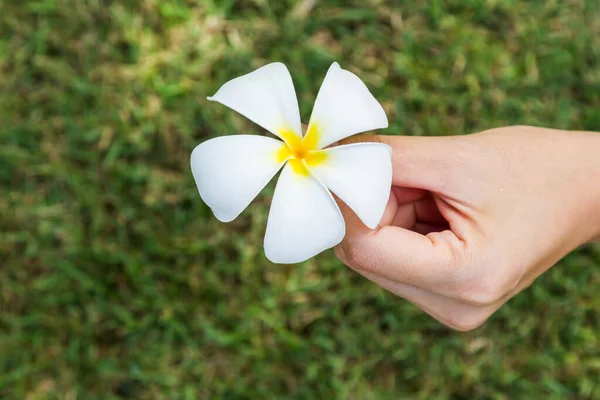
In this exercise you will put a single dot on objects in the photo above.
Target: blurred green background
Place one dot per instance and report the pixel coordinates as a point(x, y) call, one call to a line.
point(117, 282)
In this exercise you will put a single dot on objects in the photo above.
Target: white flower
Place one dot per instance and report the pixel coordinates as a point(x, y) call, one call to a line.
point(304, 218)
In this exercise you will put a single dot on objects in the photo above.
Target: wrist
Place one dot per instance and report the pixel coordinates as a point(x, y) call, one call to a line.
point(577, 154)
point(593, 175)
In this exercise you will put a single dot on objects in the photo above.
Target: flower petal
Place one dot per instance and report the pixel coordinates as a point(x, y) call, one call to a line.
point(344, 107)
point(265, 96)
point(231, 170)
point(304, 219)
point(361, 175)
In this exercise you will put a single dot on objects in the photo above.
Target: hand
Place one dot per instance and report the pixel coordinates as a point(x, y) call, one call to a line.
point(473, 220)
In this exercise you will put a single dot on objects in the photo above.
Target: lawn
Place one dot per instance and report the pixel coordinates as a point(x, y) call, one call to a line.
point(116, 280)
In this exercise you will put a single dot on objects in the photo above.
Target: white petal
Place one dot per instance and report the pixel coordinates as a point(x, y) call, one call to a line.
point(231, 170)
point(265, 96)
point(361, 175)
point(304, 219)
point(344, 107)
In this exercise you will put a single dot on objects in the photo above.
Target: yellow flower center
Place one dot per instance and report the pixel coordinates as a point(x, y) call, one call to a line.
point(301, 152)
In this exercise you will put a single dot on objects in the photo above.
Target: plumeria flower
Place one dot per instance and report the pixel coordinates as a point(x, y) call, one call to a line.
point(304, 218)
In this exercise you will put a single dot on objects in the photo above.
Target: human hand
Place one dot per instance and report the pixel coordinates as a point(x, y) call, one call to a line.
point(473, 220)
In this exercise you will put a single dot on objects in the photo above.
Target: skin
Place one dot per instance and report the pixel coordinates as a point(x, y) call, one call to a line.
point(474, 220)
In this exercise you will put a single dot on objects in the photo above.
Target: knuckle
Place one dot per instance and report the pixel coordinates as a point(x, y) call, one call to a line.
point(481, 296)
point(466, 321)
point(489, 288)
point(451, 258)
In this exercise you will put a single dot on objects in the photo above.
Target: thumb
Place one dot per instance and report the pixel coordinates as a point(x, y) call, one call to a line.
point(428, 163)
point(421, 162)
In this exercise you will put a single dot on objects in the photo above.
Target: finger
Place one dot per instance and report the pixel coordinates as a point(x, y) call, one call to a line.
point(427, 211)
point(405, 256)
point(408, 195)
point(405, 216)
point(401, 215)
point(355, 226)
point(426, 229)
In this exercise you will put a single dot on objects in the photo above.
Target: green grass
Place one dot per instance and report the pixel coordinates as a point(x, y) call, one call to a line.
point(117, 282)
